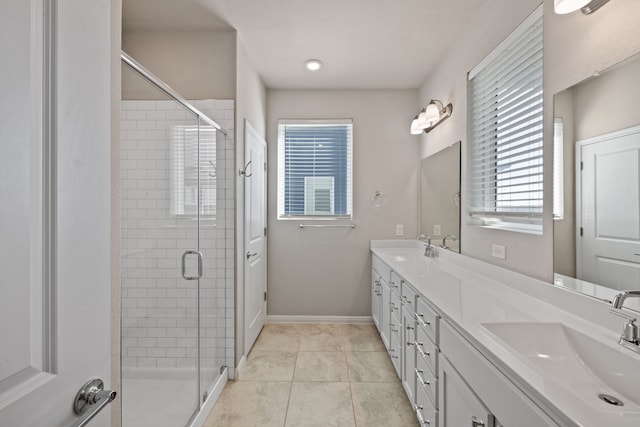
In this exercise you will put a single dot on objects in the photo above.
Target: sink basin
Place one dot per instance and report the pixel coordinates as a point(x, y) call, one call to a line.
point(576, 362)
point(404, 255)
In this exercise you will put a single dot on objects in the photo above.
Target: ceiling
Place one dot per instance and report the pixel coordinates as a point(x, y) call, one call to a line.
point(364, 44)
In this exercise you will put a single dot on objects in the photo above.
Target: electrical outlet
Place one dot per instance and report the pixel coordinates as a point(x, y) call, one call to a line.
point(436, 230)
point(499, 251)
point(399, 230)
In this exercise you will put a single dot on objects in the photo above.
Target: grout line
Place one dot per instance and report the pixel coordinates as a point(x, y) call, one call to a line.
point(295, 363)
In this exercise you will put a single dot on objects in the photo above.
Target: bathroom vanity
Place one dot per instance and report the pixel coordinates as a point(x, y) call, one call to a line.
point(477, 345)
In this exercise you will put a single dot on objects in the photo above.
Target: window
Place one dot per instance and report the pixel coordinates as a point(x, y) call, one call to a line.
point(505, 133)
point(193, 163)
point(314, 168)
point(558, 169)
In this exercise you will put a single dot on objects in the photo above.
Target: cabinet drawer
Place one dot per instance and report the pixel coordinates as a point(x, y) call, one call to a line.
point(395, 282)
point(408, 297)
point(381, 268)
point(426, 350)
point(394, 305)
point(427, 415)
point(427, 319)
point(426, 379)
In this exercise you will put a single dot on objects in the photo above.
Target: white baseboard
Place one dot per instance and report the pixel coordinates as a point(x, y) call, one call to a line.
point(212, 398)
point(318, 319)
point(238, 370)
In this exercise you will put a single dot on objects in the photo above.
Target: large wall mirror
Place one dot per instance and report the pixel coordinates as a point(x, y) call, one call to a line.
point(440, 197)
point(597, 183)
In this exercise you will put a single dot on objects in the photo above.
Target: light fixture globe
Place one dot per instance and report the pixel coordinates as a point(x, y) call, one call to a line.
point(432, 114)
point(415, 127)
point(562, 7)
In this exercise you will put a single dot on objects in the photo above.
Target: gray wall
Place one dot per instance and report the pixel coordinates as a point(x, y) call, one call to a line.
point(197, 64)
point(575, 46)
point(327, 271)
point(609, 102)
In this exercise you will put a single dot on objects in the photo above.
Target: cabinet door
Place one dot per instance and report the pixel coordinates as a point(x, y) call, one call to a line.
point(409, 354)
point(385, 312)
point(459, 405)
point(395, 343)
point(376, 296)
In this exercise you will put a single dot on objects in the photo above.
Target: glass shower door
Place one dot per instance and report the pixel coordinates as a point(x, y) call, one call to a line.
point(160, 268)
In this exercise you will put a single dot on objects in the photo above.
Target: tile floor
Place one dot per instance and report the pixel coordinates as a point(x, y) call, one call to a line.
point(315, 375)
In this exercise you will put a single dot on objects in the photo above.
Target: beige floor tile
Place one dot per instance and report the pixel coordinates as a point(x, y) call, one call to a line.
point(320, 337)
point(246, 404)
point(370, 366)
point(280, 337)
point(321, 366)
point(269, 366)
point(361, 337)
point(382, 405)
point(320, 404)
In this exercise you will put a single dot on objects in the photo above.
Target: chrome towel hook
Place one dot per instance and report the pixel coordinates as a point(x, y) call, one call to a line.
point(243, 171)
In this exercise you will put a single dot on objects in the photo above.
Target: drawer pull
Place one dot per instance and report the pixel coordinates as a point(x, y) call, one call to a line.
point(410, 328)
point(476, 423)
point(421, 420)
point(424, 354)
point(410, 343)
point(420, 318)
point(420, 379)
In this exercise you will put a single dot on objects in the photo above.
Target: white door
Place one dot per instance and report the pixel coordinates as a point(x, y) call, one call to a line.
point(54, 208)
point(609, 208)
point(255, 265)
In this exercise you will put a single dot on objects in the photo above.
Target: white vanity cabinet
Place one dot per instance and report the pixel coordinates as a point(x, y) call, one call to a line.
point(448, 380)
point(468, 380)
point(408, 301)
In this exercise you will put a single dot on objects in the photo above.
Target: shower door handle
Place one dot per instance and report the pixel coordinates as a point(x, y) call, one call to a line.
point(198, 255)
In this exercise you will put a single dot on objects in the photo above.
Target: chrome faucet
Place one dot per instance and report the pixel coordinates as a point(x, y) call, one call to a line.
point(618, 300)
point(429, 249)
point(630, 337)
point(444, 240)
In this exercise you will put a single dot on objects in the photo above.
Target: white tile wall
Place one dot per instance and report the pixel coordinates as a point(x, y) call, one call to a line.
point(159, 307)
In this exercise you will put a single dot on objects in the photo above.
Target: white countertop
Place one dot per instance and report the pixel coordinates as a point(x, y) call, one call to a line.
point(467, 299)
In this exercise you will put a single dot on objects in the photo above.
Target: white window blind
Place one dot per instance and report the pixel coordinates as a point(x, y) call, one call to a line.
point(315, 168)
point(193, 165)
point(505, 132)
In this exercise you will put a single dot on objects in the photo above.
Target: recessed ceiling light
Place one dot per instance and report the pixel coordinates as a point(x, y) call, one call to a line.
point(313, 64)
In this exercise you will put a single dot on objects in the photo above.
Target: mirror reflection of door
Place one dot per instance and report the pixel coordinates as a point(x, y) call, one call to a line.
point(603, 106)
point(608, 246)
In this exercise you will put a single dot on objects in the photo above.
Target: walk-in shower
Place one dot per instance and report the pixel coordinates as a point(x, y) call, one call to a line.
point(177, 246)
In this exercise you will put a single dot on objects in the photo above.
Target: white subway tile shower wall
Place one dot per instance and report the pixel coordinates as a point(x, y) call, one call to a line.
point(158, 307)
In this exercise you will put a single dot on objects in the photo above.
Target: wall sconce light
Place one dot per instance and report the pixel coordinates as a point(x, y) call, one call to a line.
point(587, 6)
point(430, 117)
